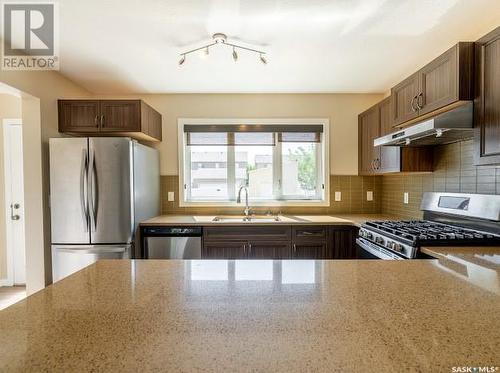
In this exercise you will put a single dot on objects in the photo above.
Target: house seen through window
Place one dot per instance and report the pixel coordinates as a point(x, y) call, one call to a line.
point(275, 162)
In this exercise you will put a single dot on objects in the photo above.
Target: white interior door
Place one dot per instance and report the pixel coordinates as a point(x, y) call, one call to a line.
point(14, 200)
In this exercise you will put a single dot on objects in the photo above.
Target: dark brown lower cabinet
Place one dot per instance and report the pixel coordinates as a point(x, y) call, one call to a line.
point(279, 242)
point(224, 250)
point(310, 250)
point(343, 242)
point(269, 250)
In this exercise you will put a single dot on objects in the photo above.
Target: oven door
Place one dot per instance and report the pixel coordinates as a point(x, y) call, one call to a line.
point(369, 250)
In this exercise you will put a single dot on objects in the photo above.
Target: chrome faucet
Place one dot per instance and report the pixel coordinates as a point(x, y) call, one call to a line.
point(238, 200)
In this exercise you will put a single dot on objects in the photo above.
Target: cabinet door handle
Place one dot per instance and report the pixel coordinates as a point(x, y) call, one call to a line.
point(413, 108)
point(245, 249)
point(294, 247)
point(378, 163)
point(96, 120)
point(102, 120)
point(420, 103)
point(249, 248)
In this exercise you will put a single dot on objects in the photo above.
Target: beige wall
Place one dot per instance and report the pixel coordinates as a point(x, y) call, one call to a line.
point(10, 108)
point(341, 109)
point(39, 124)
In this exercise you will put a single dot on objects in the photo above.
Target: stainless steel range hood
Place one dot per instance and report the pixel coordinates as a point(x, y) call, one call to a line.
point(451, 126)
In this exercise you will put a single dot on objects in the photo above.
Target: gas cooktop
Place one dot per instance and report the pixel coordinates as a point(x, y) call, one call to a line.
point(450, 219)
point(419, 232)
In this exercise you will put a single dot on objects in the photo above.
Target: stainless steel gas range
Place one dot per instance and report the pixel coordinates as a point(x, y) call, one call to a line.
point(450, 219)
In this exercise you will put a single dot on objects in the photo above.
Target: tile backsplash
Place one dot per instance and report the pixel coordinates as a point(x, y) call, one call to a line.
point(353, 191)
point(454, 171)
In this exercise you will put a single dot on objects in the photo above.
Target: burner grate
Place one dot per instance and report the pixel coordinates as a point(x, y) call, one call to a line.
point(420, 231)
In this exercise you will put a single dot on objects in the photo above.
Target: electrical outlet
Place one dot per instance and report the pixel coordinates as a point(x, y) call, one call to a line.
point(171, 196)
point(369, 195)
point(406, 198)
point(338, 196)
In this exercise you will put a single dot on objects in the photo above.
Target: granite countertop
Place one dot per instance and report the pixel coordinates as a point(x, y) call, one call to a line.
point(477, 265)
point(303, 219)
point(269, 316)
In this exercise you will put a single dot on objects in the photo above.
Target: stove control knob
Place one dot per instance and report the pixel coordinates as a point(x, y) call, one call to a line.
point(379, 240)
point(397, 247)
point(365, 234)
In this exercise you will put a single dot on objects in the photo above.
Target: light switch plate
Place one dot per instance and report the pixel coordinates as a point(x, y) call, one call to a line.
point(338, 196)
point(369, 195)
point(406, 198)
point(171, 197)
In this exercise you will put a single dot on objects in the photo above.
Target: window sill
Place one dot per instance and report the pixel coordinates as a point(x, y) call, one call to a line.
point(290, 203)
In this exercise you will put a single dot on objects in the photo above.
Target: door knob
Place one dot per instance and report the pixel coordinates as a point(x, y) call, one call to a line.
point(13, 207)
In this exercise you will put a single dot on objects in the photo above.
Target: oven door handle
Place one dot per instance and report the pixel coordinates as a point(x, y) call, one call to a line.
point(377, 251)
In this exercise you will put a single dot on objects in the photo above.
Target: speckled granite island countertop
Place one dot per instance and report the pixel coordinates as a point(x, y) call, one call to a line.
point(256, 316)
point(204, 220)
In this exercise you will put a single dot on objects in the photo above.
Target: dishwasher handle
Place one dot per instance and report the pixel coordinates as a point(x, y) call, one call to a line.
point(172, 231)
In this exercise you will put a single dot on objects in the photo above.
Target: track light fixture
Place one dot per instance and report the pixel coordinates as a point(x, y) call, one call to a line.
point(220, 38)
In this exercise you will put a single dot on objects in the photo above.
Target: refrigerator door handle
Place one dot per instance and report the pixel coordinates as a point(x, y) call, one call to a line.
point(84, 190)
point(94, 192)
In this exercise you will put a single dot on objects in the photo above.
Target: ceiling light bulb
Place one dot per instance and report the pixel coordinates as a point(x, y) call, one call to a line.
point(263, 59)
point(235, 55)
point(182, 60)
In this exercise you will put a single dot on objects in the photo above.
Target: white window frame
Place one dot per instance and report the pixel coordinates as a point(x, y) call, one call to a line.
point(324, 159)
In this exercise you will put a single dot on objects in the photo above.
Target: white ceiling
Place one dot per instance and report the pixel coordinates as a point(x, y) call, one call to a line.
point(133, 46)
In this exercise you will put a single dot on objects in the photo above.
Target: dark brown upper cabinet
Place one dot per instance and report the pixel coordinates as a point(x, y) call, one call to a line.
point(487, 100)
point(385, 116)
point(120, 116)
point(79, 115)
point(375, 122)
point(369, 130)
point(445, 81)
point(133, 118)
point(404, 97)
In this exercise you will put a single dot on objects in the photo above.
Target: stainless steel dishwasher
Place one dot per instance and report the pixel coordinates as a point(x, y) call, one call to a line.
point(171, 242)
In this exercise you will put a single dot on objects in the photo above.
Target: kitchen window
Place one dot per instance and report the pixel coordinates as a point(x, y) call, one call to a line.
point(281, 162)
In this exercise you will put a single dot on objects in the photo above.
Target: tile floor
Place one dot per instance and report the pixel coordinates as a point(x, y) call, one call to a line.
point(10, 295)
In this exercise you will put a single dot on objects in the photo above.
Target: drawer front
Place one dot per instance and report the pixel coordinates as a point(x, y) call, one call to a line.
point(307, 233)
point(254, 233)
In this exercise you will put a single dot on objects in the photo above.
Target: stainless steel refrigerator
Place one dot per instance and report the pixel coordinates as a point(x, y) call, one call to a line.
point(101, 188)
